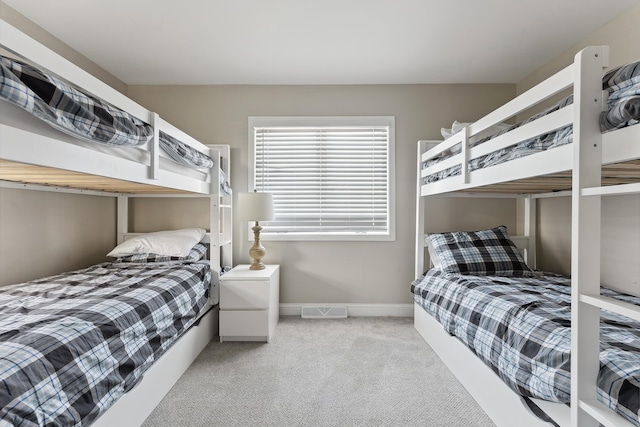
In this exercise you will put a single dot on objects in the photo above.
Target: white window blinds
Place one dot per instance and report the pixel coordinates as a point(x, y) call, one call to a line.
point(326, 180)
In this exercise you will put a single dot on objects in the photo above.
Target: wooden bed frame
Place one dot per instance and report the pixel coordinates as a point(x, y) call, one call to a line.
point(593, 166)
point(35, 156)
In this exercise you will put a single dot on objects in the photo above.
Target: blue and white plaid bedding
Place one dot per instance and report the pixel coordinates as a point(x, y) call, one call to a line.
point(81, 115)
point(183, 153)
point(623, 109)
point(72, 344)
point(520, 327)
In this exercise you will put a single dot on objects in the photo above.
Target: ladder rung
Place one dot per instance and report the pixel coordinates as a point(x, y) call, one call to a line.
point(612, 190)
point(604, 415)
point(616, 306)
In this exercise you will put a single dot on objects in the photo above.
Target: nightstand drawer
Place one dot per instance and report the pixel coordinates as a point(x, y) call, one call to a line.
point(240, 294)
point(244, 323)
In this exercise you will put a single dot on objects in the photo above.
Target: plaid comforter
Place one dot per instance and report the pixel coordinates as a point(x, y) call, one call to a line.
point(72, 344)
point(520, 327)
point(83, 116)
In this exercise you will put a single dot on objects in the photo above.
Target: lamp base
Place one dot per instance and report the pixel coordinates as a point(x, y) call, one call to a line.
point(257, 265)
point(257, 251)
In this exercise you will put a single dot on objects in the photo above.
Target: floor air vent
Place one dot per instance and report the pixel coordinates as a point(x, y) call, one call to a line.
point(328, 312)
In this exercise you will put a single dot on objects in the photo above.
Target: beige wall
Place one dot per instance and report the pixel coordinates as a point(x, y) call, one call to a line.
point(620, 34)
point(28, 27)
point(621, 215)
point(336, 272)
point(44, 233)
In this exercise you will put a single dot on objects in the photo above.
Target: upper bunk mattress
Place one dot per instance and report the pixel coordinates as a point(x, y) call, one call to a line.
point(520, 327)
point(622, 85)
point(72, 344)
point(83, 116)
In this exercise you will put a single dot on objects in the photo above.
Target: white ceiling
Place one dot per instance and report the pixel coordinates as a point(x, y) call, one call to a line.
point(320, 41)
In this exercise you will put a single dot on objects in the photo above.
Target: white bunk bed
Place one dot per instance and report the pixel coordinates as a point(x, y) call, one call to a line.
point(594, 165)
point(35, 156)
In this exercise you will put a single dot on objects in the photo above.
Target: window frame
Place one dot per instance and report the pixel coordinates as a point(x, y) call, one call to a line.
point(329, 121)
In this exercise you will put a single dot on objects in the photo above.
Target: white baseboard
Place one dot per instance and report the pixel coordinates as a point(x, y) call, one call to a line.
point(355, 310)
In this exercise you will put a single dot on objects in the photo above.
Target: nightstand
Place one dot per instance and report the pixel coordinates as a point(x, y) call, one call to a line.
point(249, 303)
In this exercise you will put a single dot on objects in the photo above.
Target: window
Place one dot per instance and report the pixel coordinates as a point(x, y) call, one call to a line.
point(331, 177)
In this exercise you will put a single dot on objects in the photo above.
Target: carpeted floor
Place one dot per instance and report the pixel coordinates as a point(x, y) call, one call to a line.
point(347, 372)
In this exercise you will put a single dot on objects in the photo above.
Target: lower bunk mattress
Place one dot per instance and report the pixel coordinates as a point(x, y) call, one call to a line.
point(72, 344)
point(520, 328)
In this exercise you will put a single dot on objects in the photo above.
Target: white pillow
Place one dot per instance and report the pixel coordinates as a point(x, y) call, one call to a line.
point(433, 255)
point(457, 126)
point(170, 243)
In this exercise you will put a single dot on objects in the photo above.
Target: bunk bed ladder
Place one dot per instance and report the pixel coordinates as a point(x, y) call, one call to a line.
point(586, 301)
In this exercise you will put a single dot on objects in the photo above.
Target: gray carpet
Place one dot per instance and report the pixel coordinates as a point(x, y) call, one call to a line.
point(348, 372)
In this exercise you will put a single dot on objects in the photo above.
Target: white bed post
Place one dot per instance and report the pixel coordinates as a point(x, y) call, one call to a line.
point(421, 234)
point(465, 155)
point(122, 221)
point(419, 264)
point(154, 146)
point(585, 232)
point(214, 216)
point(530, 230)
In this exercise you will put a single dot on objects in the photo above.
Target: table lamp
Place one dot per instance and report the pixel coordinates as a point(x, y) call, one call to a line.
point(256, 207)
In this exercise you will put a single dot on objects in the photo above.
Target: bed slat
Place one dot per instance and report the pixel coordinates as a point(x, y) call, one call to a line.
point(30, 174)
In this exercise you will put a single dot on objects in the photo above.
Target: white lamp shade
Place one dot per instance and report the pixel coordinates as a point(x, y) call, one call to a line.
point(255, 206)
